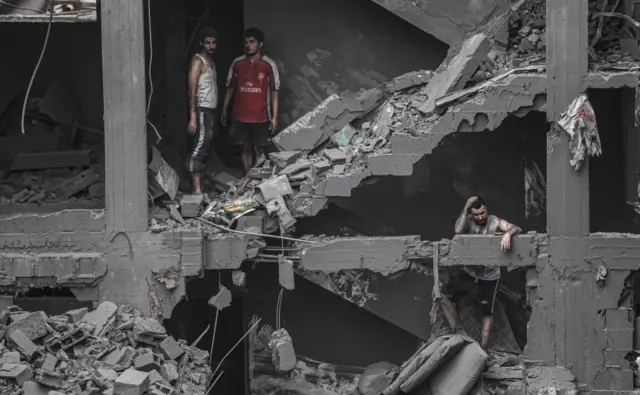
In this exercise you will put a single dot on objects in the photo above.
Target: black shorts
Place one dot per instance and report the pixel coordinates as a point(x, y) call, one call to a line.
point(251, 133)
point(202, 139)
point(482, 292)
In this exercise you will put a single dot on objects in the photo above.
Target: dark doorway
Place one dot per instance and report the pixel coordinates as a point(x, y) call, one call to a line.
point(190, 319)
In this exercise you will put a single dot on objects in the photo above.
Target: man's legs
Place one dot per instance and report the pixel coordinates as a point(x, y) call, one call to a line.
point(259, 137)
point(247, 157)
point(451, 285)
point(202, 140)
point(489, 291)
point(450, 313)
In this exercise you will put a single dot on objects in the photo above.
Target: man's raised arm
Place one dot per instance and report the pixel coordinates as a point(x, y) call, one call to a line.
point(463, 219)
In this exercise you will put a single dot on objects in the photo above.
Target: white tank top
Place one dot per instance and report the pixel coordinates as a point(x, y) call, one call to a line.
point(207, 92)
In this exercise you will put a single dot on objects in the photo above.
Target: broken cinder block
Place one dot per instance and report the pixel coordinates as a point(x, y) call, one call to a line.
point(147, 362)
point(101, 317)
point(17, 372)
point(275, 188)
point(283, 355)
point(75, 316)
point(21, 342)
point(33, 325)
point(335, 155)
point(131, 382)
point(78, 183)
point(170, 348)
point(222, 299)
point(191, 205)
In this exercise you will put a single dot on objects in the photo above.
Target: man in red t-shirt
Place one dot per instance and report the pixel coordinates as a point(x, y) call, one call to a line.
point(254, 83)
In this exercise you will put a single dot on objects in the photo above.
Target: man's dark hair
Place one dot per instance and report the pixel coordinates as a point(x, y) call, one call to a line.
point(478, 203)
point(255, 33)
point(207, 32)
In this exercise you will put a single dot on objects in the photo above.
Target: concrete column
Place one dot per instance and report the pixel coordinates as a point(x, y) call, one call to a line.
point(567, 189)
point(123, 75)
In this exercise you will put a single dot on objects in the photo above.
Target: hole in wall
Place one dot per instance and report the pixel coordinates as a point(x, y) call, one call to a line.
point(53, 301)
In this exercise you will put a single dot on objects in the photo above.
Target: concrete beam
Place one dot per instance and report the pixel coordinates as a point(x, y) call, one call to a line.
point(602, 80)
point(567, 62)
point(60, 221)
point(380, 254)
point(124, 76)
point(485, 251)
point(146, 270)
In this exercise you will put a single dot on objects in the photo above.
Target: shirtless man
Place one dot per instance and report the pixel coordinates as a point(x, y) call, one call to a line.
point(203, 100)
point(481, 281)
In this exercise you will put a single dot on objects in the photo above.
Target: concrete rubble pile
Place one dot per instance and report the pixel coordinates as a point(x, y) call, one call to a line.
point(527, 28)
point(110, 350)
point(49, 159)
point(351, 137)
point(612, 44)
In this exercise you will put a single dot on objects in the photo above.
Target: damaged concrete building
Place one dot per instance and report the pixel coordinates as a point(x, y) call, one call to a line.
point(317, 271)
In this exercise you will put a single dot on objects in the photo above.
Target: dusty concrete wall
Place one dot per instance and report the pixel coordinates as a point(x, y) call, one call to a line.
point(73, 57)
point(337, 46)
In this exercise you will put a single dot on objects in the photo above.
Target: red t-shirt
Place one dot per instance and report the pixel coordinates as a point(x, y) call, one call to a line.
point(253, 83)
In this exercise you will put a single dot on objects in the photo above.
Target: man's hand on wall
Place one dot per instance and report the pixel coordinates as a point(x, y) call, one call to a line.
point(505, 244)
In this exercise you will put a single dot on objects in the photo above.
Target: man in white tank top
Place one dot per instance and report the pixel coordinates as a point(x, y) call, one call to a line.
point(203, 100)
point(481, 282)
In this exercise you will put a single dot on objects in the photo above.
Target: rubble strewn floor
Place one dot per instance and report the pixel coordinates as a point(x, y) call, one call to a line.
point(52, 163)
point(112, 349)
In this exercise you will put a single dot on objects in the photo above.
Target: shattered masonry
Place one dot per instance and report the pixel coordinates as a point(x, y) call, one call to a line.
point(581, 331)
point(112, 349)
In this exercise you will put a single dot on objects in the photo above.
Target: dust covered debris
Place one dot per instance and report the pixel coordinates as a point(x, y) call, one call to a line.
point(112, 349)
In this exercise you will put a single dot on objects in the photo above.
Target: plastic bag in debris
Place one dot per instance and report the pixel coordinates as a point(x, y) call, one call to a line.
point(579, 121)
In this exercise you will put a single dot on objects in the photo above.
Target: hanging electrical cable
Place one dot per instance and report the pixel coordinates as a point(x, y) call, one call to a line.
point(35, 71)
point(149, 72)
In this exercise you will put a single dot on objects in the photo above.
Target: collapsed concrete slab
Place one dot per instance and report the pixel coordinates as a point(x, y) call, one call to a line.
point(326, 119)
point(455, 73)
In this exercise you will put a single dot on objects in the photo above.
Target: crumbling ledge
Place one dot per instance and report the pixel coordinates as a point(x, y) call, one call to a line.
point(381, 254)
point(599, 80)
point(59, 221)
